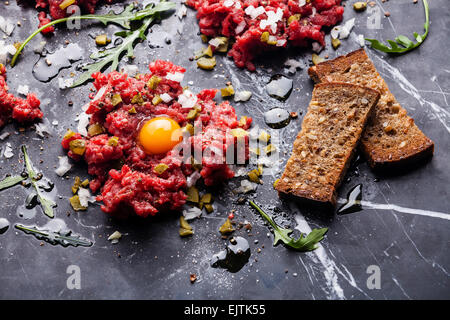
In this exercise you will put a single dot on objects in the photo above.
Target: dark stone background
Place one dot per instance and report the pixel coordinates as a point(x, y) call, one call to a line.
point(155, 263)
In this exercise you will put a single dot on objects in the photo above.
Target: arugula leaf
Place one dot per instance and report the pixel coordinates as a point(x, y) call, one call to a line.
point(11, 181)
point(55, 237)
point(122, 19)
point(403, 44)
point(308, 243)
point(46, 204)
point(112, 56)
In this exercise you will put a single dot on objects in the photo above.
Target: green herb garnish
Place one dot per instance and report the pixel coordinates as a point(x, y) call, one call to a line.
point(55, 237)
point(46, 204)
point(403, 44)
point(308, 243)
point(11, 181)
point(111, 56)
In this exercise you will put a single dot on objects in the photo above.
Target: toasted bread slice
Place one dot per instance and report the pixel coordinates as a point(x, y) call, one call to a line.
point(331, 129)
point(391, 138)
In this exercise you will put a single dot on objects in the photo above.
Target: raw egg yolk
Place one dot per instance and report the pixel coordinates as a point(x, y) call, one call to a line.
point(160, 135)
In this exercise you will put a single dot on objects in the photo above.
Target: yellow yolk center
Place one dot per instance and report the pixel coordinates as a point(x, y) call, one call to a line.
point(160, 135)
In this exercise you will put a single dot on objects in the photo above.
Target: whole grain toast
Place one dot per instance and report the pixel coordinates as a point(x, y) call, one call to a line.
point(391, 138)
point(322, 151)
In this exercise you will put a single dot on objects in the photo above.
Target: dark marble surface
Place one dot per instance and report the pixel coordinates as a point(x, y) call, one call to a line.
point(403, 228)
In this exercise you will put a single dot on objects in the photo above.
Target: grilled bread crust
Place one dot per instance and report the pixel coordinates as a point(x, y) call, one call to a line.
point(391, 139)
point(322, 151)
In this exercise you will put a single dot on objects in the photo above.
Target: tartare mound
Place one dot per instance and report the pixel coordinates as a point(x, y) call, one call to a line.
point(21, 110)
point(265, 25)
point(127, 176)
point(54, 10)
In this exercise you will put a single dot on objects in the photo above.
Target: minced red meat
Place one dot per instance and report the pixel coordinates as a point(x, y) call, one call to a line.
point(299, 23)
point(55, 12)
point(123, 172)
point(21, 110)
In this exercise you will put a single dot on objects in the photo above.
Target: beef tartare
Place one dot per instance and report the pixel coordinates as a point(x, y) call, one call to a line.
point(57, 9)
point(144, 134)
point(265, 25)
point(21, 110)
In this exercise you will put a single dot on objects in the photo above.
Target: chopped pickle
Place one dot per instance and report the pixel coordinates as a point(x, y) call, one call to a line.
point(335, 43)
point(156, 100)
point(113, 141)
point(316, 59)
point(269, 149)
point(360, 6)
point(206, 198)
point(223, 47)
point(69, 134)
point(228, 91)
point(185, 232)
point(198, 108)
point(208, 51)
point(272, 41)
point(265, 36)
point(209, 208)
point(85, 183)
point(206, 63)
point(264, 137)
point(239, 132)
point(204, 38)
point(138, 99)
point(102, 40)
point(132, 111)
point(189, 128)
point(260, 169)
point(66, 3)
point(185, 228)
point(192, 114)
point(76, 205)
point(78, 146)
point(243, 121)
point(153, 82)
point(275, 183)
point(295, 17)
point(184, 224)
point(254, 176)
point(161, 168)
point(227, 227)
point(76, 185)
point(193, 195)
point(95, 129)
point(116, 99)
